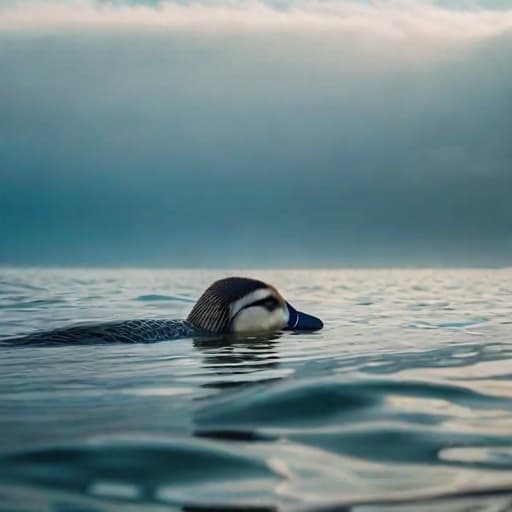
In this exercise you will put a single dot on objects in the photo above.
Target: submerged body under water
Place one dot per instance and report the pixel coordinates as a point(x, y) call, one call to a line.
point(402, 402)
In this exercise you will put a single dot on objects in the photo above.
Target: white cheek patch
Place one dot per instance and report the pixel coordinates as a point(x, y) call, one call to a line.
point(258, 318)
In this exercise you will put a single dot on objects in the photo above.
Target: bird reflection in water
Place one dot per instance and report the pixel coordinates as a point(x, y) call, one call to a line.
point(236, 361)
point(233, 356)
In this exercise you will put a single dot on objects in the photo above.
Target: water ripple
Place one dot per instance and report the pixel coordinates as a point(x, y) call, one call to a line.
point(402, 403)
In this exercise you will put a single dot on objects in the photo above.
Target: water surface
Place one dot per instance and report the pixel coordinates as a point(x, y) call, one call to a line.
point(403, 401)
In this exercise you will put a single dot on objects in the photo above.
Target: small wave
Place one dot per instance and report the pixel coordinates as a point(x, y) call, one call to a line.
point(27, 304)
point(444, 325)
point(300, 406)
point(171, 471)
point(154, 297)
point(287, 404)
point(9, 286)
point(459, 501)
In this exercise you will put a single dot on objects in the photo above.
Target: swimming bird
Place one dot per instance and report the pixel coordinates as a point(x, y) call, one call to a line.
point(234, 305)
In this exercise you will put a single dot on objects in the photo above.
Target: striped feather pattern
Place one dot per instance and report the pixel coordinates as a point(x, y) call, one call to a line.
point(212, 311)
point(129, 331)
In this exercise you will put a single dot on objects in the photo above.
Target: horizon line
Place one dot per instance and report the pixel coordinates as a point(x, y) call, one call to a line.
point(9, 266)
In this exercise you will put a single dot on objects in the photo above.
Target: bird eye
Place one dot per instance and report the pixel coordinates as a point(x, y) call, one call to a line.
point(269, 303)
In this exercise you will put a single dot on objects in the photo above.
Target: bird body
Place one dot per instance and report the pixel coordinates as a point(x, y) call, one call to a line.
point(124, 331)
point(234, 305)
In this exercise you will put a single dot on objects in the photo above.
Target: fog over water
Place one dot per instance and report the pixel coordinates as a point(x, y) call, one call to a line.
point(303, 134)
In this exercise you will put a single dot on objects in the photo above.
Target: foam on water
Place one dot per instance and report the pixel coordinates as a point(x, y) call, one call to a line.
point(403, 401)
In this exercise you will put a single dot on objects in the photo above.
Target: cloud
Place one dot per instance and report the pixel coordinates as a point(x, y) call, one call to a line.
point(247, 134)
point(397, 19)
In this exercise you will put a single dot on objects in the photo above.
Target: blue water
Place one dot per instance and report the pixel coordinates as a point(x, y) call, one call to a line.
point(403, 401)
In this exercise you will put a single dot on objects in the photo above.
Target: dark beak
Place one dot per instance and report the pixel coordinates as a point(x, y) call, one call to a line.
point(299, 321)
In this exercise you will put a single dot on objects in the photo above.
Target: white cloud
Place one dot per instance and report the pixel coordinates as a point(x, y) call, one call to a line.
point(393, 18)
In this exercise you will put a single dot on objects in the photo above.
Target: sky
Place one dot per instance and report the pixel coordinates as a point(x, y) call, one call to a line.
point(241, 133)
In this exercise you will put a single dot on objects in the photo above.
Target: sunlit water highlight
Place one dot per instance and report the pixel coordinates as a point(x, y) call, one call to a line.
point(402, 402)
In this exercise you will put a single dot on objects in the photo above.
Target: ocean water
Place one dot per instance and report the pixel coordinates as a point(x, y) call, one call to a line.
point(402, 402)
